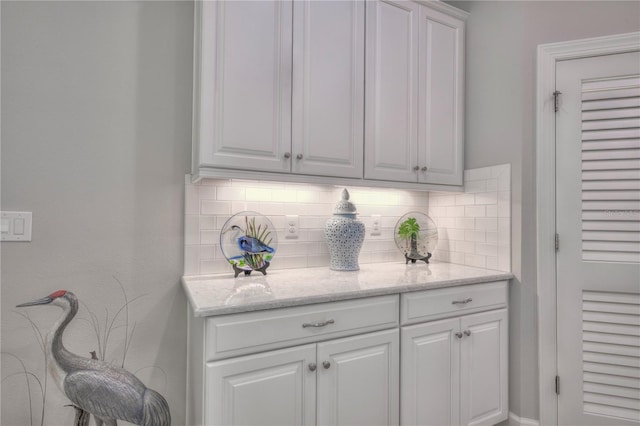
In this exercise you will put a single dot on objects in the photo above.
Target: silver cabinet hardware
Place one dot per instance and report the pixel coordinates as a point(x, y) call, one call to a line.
point(458, 335)
point(317, 324)
point(287, 155)
point(299, 156)
point(424, 169)
point(416, 168)
point(467, 332)
point(312, 366)
point(462, 302)
point(326, 365)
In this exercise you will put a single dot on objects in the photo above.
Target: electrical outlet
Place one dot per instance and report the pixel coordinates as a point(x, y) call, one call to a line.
point(292, 226)
point(375, 224)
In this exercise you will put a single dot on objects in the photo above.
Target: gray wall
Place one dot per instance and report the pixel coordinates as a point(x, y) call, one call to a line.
point(502, 37)
point(96, 112)
point(96, 130)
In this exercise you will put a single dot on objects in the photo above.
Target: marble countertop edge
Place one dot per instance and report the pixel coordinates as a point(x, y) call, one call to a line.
point(221, 294)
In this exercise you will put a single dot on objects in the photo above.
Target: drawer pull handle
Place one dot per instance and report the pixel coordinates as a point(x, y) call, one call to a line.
point(326, 365)
point(312, 366)
point(317, 324)
point(462, 302)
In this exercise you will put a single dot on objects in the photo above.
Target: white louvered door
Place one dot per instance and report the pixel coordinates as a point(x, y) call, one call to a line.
point(598, 222)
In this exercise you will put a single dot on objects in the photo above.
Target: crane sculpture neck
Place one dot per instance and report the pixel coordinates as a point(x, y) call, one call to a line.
point(62, 357)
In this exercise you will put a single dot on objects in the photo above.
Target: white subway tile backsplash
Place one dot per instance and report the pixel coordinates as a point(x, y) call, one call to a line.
point(487, 224)
point(475, 186)
point(212, 202)
point(209, 237)
point(191, 229)
point(486, 249)
point(473, 227)
point(474, 211)
point(465, 199)
point(191, 200)
point(475, 260)
point(483, 173)
point(208, 222)
point(215, 207)
point(207, 193)
point(228, 193)
point(457, 211)
point(465, 223)
point(475, 236)
point(479, 235)
point(487, 198)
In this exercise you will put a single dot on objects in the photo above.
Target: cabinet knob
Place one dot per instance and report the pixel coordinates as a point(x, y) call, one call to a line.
point(458, 335)
point(312, 366)
point(326, 364)
point(299, 156)
point(416, 168)
point(467, 332)
point(424, 169)
point(287, 155)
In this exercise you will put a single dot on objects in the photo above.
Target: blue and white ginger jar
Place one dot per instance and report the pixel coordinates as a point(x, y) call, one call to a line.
point(344, 235)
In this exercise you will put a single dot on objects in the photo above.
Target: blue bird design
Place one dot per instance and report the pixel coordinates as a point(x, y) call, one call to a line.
point(253, 245)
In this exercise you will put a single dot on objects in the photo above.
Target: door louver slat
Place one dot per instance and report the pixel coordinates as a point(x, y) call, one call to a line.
point(611, 353)
point(611, 170)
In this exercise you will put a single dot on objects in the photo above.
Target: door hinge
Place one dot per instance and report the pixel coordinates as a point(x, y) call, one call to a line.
point(557, 385)
point(556, 100)
point(557, 242)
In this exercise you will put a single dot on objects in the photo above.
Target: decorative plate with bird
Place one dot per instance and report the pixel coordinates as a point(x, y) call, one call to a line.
point(248, 240)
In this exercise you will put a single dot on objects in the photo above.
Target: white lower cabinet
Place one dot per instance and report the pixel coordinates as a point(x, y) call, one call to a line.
point(271, 388)
point(358, 380)
point(348, 381)
point(454, 371)
point(430, 357)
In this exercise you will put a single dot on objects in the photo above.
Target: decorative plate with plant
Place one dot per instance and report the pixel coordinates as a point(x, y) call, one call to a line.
point(249, 242)
point(416, 235)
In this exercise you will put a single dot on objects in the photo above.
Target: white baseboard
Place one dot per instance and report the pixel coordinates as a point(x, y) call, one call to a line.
point(521, 421)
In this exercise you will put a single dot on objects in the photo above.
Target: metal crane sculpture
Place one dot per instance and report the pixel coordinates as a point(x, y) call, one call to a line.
point(109, 393)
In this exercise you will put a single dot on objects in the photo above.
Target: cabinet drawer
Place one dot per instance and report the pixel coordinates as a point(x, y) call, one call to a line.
point(251, 332)
point(428, 305)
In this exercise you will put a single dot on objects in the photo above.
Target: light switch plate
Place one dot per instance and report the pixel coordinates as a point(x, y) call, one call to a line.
point(16, 226)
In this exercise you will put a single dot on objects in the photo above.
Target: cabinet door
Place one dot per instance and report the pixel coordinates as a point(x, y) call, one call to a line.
point(328, 88)
point(272, 388)
point(358, 380)
point(391, 97)
point(430, 374)
point(244, 93)
point(484, 368)
point(441, 99)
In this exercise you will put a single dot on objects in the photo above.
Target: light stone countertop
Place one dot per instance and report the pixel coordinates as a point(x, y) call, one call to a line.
point(222, 294)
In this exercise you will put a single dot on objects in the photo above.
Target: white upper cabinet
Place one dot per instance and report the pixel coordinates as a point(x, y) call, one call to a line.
point(391, 131)
point(441, 99)
point(415, 97)
point(280, 87)
point(280, 93)
point(242, 107)
point(328, 88)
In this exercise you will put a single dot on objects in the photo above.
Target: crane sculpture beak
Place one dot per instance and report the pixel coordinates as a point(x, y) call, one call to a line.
point(43, 301)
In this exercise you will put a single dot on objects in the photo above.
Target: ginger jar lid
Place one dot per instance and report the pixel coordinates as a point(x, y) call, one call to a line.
point(344, 206)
